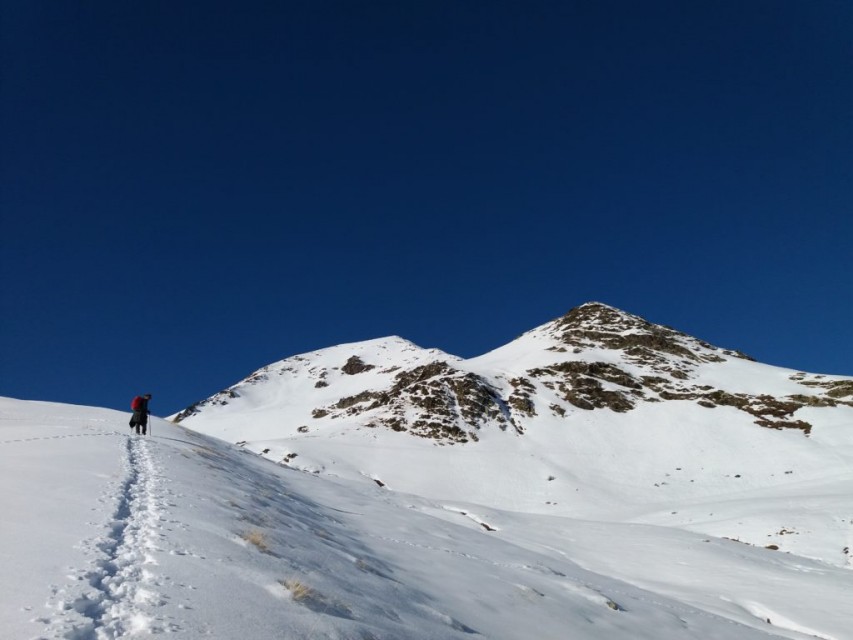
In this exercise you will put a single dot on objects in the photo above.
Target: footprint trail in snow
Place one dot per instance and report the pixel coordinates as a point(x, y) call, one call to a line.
point(117, 594)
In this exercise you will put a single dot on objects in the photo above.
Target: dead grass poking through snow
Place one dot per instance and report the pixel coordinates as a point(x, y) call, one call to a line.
point(298, 590)
point(257, 538)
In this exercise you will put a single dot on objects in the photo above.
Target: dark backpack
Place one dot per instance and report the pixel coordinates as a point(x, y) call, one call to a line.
point(136, 403)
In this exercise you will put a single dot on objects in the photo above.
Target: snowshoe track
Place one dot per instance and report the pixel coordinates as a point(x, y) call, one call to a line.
point(116, 596)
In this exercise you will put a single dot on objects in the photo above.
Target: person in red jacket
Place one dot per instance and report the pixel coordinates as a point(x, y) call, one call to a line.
point(139, 420)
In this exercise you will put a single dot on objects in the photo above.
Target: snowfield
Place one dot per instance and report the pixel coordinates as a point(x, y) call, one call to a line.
point(110, 535)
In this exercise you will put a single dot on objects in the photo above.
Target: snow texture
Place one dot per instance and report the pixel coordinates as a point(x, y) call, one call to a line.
point(669, 520)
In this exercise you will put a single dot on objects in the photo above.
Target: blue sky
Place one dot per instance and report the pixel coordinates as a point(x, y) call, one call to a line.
point(190, 192)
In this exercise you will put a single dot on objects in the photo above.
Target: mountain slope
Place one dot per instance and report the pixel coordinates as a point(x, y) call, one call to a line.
point(109, 535)
point(598, 414)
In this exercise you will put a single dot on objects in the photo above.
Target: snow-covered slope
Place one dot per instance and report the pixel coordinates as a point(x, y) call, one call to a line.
point(598, 414)
point(110, 535)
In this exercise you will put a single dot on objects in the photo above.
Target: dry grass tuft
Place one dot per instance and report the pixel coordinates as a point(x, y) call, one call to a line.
point(257, 538)
point(298, 590)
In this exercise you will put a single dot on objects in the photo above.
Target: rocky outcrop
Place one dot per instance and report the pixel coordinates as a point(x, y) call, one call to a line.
point(356, 365)
point(431, 401)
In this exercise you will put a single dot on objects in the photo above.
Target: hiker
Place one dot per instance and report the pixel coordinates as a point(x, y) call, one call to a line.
point(140, 414)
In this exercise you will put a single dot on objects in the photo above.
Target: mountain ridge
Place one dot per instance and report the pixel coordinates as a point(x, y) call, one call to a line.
point(593, 357)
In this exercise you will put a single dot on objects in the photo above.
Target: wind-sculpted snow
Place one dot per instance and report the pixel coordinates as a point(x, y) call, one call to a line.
point(123, 536)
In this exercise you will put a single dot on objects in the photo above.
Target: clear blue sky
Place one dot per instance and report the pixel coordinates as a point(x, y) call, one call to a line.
point(191, 191)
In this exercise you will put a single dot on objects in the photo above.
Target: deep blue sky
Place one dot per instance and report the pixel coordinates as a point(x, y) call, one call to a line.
point(193, 190)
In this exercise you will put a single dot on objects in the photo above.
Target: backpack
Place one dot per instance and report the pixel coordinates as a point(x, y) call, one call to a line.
point(136, 403)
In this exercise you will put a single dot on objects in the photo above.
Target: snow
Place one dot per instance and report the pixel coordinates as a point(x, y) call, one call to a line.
point(111, 535)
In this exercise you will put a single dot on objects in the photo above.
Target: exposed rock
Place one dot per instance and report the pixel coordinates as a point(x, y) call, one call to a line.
point(597, 325)
point(449, 404)
point(521, 397)
point(579, 383)
point(356, 365)
point(840, 388)
point(365, 396)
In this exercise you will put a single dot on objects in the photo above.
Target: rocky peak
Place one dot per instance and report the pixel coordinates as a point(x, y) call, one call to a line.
point(597, 315)
point(597, 325)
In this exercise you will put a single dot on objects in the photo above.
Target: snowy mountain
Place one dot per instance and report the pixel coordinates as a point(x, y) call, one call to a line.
point(594, 357)
point(597, 414)
point(598, 478)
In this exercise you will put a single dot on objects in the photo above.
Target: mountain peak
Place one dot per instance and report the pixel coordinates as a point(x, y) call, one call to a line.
point(597, 325)
point(599, 315)
point(592, 358)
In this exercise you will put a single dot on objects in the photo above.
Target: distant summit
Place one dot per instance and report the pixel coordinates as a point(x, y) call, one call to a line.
point(596, 325)
point(595, 357)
